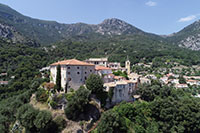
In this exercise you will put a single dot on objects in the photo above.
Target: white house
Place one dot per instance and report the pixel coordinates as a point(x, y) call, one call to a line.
point(98, 61)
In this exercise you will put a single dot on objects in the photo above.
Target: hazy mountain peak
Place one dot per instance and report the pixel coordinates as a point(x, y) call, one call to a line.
point(114, 26)
point(113, 21)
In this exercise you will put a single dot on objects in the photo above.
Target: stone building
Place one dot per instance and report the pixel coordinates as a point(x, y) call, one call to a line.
point(73, 72)
point(123, 90)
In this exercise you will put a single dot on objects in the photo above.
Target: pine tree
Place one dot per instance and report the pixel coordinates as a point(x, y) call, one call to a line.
point(58, 79)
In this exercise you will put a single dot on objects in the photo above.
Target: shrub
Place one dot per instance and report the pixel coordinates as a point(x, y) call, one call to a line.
point(60, 123)
point(53, 104)
point(41, 96)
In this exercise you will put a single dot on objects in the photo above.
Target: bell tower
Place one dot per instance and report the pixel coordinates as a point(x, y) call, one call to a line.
point(128, 66)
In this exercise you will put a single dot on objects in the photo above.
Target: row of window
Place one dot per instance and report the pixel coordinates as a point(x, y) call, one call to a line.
point(78, 72)
point(77, 67)
point(69, 79)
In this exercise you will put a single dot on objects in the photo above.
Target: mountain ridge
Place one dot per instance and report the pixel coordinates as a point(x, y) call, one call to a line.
point(47, 32)
point(26, 29)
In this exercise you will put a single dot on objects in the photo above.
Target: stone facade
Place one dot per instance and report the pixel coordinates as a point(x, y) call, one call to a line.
point(122, 90)
point(73, 72)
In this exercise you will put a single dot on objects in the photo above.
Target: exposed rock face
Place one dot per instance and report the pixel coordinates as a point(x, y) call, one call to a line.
point(191, 42)
point(189, 37)
point(9, 33)
point(116, 27)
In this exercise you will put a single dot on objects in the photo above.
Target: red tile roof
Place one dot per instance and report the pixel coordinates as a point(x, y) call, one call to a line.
point(72, 62)
point(102, 68)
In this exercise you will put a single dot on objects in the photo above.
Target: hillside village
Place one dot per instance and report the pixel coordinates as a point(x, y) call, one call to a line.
point(119, 83)
point(74, 74)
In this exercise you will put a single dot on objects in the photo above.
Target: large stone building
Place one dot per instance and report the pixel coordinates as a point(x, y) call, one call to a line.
point(73, 72)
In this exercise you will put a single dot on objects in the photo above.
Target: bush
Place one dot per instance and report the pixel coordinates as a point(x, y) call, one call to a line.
point(41, 96)
point(53, 104)
point(76, 105)
point(60, 123)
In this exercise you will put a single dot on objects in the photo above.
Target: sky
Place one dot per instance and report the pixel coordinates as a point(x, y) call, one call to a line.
point(155, 16)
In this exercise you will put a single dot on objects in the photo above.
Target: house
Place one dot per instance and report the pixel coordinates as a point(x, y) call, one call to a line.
point(123, 90)
point(101, 70)
point(118, 78)
point(178, 86)
point(193, 82)
point(175, 81)
point(3, 74)
point(151, 76)
point(144, 80)
point(105, 73)
point(3, 82)
point(114, 66)
point(74, 73)
point(98, 61)
point(134, 76)
point(164, 80)
point(108, 78)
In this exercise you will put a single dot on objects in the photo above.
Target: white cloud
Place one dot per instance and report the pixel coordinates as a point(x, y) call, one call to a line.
point(151, 3)
point(188, 18)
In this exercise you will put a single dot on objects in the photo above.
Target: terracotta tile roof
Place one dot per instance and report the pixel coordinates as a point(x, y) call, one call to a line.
point(192, 81)
point(72, 62)
point(102, 68)
point(119, 77)
point(4, 82)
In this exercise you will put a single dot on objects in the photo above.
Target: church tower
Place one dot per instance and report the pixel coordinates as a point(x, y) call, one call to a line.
point(128, 66)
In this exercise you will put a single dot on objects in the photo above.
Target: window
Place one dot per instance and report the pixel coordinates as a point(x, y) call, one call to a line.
point(85, 67)
point(69, 79)
point(68, 73)
point(68, 67)
point(85, 78)
point(77, 67)
point(120, 93)
point(78, 72)
point(85, 72)
point(90, 70)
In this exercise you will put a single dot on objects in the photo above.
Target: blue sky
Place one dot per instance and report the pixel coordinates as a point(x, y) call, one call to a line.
point(156, 16)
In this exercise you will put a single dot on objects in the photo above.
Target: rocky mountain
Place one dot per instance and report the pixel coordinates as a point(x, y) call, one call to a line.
point(189, 37)
point(47, 32)
point(10, 34)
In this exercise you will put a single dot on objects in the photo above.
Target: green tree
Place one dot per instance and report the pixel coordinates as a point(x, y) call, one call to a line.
point(43, 120)
point(26, 115)
point(95, 84)
point(110, 93)
point(60, 123)
point(110, 122)
point(58, 79)
point(76, 105)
